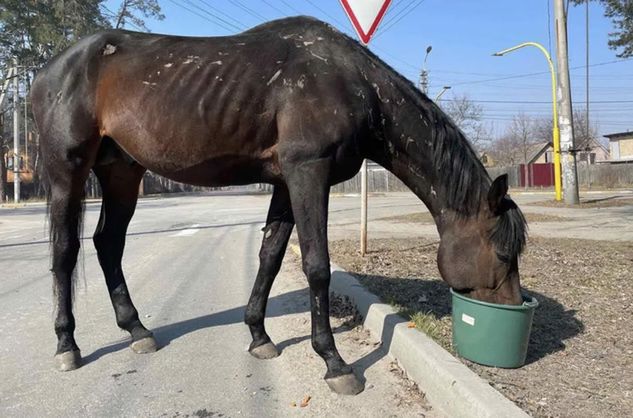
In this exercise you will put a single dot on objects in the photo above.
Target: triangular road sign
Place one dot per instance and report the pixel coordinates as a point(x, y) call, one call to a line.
point(365, 16)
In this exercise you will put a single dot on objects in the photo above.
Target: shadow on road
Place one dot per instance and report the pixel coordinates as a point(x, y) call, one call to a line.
point(553, 323)
point(284, 304)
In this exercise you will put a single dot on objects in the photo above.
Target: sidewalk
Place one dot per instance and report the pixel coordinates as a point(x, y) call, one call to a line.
point(610, 223)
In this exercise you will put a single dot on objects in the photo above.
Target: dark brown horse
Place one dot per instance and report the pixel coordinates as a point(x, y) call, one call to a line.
point(293, 103)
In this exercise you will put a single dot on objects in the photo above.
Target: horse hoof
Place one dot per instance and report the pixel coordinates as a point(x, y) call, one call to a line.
point(144, 345)
point(264, 351)
point(347, 384)
point(67, 361)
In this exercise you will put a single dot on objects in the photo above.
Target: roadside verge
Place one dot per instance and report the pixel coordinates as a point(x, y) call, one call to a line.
point(449, 385)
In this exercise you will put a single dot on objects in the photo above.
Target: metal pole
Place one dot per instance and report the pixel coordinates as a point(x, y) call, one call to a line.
point(555, 129)
point(424, 74)
point(26, 128)
point(363, 208)
point(16, 136)
point(444, 89)
point(566, 122)
point(588, 154)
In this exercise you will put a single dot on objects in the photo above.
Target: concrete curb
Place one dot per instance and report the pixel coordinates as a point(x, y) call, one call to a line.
point(449, 385)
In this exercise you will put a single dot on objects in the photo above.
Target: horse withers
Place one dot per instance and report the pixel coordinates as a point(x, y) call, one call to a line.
point(293, 103)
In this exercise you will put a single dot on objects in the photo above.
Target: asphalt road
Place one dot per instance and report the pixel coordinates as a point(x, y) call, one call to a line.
point(190, 263)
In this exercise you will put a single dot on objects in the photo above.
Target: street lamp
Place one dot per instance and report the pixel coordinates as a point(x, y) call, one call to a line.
point(556, 131)
point(444, 89)
point(424, 74)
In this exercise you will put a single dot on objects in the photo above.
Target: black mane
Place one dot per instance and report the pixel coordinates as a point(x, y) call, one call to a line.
point(459, 172)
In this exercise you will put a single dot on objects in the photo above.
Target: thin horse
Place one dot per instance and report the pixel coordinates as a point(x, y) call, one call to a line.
point(293, 103)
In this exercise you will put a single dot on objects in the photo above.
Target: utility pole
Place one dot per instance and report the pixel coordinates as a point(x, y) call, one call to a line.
point(16, 135)
point(587, 69)
point(566, 121)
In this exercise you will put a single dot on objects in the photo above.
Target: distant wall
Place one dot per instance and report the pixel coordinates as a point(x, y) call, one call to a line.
point(589, 176)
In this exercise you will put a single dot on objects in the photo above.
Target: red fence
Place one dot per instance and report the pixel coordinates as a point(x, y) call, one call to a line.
point(538, 175)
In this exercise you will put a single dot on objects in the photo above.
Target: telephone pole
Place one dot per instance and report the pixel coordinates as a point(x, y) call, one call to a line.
point(16, 135)
point(566, 120)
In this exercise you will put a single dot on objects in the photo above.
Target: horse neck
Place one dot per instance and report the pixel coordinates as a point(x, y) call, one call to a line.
point(423, 148)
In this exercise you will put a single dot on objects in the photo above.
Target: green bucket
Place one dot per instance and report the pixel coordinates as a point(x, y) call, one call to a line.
point(492, 334)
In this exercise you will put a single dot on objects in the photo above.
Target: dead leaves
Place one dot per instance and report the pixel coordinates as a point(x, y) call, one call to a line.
point(304, 402)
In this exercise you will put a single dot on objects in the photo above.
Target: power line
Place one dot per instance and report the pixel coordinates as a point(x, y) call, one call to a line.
point(272, 6)
point(201, 16)
point(402, 17)
point(327, 14)
point(294, 9)
point(538, 73)
point(248, 9)
point(392, 9)
point(392, 18)
point(226, 15)
point(226, 22)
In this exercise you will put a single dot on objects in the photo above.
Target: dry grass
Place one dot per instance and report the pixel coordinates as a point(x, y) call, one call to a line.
point(580, 359)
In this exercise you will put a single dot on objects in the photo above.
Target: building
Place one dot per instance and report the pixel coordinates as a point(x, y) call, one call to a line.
point(540, 153)
point(621, 146)
point(593, 153)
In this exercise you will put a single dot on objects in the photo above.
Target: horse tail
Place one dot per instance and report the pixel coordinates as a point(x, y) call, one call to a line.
point(62, 187)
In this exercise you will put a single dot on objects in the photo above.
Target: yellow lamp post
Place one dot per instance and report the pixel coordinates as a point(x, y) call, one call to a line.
point(556, 131)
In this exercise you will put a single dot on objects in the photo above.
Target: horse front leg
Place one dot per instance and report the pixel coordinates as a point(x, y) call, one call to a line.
point(279, 225)
point(309, 194)
point(119, 182)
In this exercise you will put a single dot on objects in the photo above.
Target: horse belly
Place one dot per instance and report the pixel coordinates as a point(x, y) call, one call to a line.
point(228, 171)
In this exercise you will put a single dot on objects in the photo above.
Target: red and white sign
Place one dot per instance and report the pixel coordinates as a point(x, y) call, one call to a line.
point(365, 16)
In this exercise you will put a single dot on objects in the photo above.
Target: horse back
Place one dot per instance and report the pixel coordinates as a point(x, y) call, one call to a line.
point(185, 107)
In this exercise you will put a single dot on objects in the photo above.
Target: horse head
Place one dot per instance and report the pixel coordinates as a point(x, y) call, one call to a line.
point(478, 255)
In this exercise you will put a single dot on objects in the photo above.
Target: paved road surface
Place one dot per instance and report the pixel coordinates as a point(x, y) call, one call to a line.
point(190, 263)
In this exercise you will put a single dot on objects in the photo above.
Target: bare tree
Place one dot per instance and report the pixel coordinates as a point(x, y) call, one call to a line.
point(516, 145)
point(467, 116)
point(133, 11)
point(584, 134)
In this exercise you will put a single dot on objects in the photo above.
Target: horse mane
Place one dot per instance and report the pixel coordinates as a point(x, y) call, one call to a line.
point(509, 233)
point(459, 172)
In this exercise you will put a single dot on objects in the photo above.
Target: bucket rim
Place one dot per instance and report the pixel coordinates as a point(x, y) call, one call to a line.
point(529, 302)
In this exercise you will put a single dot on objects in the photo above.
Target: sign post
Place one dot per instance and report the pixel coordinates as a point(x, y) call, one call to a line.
point(365, 16)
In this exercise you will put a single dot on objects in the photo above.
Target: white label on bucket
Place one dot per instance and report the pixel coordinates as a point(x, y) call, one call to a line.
point(468, 319)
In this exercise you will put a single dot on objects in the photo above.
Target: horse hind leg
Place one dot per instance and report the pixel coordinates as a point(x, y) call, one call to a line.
point(119, 182)
point(279, 225)
point(66, 170)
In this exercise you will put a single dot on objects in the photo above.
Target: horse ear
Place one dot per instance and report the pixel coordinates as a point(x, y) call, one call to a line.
point(497, 192)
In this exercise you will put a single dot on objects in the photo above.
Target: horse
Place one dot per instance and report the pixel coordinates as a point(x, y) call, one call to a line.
point(293, 103)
